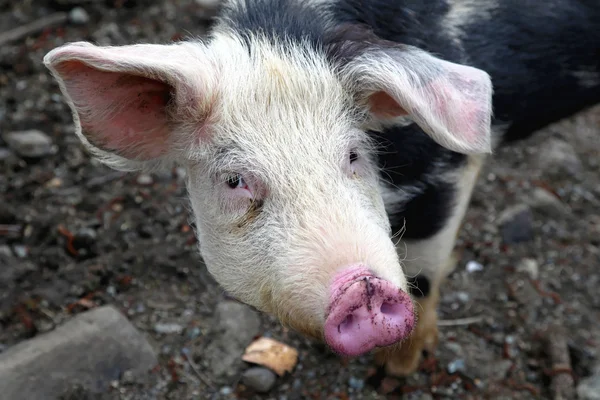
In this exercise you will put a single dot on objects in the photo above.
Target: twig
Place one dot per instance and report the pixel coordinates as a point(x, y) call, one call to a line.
point(460, 321)
point(104, 179)
point(12, 231)
point(199, 374)
point(560, 371)
point(32, 27)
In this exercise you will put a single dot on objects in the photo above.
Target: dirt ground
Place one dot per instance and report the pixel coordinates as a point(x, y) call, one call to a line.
point(75, 235)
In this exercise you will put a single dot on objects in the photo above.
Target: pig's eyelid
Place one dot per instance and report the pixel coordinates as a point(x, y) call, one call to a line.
point(232, 178)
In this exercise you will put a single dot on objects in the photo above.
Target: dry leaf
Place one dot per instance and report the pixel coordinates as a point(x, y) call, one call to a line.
point(272, 354)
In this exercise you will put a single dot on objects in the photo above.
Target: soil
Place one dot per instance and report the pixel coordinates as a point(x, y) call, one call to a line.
point(75, 234)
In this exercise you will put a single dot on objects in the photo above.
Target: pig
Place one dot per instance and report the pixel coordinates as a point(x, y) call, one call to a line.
point(332, 147)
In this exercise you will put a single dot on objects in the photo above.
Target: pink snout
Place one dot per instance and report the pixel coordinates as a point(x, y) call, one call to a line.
point(366, 312)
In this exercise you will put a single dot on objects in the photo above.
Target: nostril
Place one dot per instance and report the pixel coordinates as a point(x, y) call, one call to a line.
point(346, 324)
point(391, 309)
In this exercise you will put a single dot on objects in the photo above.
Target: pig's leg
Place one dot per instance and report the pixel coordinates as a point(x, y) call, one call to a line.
point(427, 263)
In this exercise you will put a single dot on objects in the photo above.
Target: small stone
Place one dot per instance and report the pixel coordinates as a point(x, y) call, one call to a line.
point(194, 332)
point(454, 347)
point(5, 153)
point(516, 224)
point(111, 291)
point(529, 266)
point(226, 390)
point(356, 383)
point(20, 250)
point(473, 266)
point(79, 16)
point(259, 379)
point(144, 180)
point(84, 238)
point(456, 366)
point(31, 143)
point(168, 329)
point(463, 297)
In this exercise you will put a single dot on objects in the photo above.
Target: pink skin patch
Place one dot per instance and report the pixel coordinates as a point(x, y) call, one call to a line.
point(119, 112)
point(366, 312)
point(463, 116)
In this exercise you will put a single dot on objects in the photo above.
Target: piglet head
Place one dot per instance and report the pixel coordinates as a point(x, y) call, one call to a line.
point(282, 172)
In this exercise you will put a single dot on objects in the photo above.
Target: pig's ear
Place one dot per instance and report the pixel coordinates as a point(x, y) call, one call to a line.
point(450, 102)
point(127, 101)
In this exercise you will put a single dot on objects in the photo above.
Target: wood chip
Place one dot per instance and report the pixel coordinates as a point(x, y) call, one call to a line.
point(272, 354)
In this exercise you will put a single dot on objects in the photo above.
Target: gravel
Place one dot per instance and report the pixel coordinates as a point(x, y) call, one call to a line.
point(259, 379)
point(81, 236)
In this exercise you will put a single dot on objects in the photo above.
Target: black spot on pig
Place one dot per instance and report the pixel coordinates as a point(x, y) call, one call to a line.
point(419, 286)
point(410, 159)
point(536, 54)
point(407, 154)
point(277, 19)
point(426, 214)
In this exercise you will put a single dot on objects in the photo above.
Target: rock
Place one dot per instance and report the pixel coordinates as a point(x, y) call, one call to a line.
point(259, 379)
point(79, 16)
point(356, 383)
point(235, 326)
point(5, 153)
point(463, 297)
point(589, 388)
point(31, 143)
point(85, 238)
point(20, 250)
point(226, 390)
point(456, 366)
point(92, 350)
point(557, 158)
point(167, 329)
point(516, 224)
point(529, 266)
point(473, 266)
point(144, 180)
point(208, 3)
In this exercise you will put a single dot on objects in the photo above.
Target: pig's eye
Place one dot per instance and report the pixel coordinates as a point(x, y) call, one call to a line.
point(353, 156)
point(235, 181)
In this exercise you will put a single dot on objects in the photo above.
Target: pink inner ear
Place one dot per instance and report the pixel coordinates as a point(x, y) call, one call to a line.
point(119, 112)
point(463, 116)
point(383, 105)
